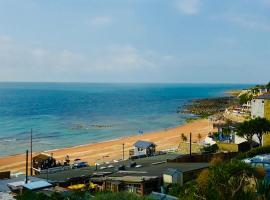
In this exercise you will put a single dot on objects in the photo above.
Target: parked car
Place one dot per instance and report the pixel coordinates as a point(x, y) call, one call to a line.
point(80, 165)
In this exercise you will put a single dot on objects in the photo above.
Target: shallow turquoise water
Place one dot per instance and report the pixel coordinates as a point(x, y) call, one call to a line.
point(67, 114)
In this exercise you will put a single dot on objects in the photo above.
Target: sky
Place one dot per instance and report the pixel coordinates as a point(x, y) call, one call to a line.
point(165, 41)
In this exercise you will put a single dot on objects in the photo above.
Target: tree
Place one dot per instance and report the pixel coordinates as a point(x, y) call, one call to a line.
point(227, 180)
point(257, 126)
point(260, 127)
point(268, 85)
point(244, 98)
point(183, 137)
point(244, 130)
point(199, 137)
point(226, 131)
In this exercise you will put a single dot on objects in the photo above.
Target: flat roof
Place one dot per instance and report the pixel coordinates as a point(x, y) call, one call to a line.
point(151, 166)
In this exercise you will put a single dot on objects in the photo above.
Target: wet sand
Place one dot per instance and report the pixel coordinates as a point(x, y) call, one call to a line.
point(110, 150)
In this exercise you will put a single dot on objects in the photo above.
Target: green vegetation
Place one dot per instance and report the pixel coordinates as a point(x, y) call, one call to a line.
point(268, 85)
point(231, 180)
point(244, 98)
point(81, 196)
point(254, 152)
point(258, 127)
point(27, 195)
point(210, 149)
point(190, 120)
point(120, 196)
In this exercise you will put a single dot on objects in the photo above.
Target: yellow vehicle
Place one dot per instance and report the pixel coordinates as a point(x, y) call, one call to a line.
point(92, 186)
point(77, 187)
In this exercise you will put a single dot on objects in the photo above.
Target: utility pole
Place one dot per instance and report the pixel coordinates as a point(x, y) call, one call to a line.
point(26, 167)
point(123, 151)
point(190, 137)
point(31, 153)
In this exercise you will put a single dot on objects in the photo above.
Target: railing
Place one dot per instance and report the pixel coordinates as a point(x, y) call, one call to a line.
point(51, 170)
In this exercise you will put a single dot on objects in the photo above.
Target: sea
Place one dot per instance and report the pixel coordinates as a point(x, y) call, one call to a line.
point(68, 114)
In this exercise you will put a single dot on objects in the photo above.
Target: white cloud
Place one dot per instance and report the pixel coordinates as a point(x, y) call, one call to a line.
point(189, 7)
point(38, 64)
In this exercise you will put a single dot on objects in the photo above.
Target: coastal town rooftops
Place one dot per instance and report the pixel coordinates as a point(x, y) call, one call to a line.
point(264, 96)
point(150, 166)
point(144, 144)
point(135, 179)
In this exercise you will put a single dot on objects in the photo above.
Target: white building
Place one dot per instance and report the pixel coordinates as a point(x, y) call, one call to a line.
point(259, 106)
point(144, 148)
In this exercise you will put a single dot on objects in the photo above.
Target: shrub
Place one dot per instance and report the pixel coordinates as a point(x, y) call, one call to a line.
point(119, 196)
point(81, 196)
point(226, 180)
point(202, 179)
point(263, 189)
point(253, 152)
point(210, 149)
point(185, 192)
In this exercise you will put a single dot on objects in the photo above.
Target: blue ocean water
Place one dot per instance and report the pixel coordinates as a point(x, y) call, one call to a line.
point(68, 114)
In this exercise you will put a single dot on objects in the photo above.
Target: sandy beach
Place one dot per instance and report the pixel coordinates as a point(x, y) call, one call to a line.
point(110, 150)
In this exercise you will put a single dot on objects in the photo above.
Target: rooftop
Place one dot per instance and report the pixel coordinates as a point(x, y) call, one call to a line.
point(150, 166)
point(264, 96)
point(143, 144)
point(37, 185)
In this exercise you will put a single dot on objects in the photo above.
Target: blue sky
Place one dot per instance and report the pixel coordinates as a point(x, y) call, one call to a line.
point(205, 41)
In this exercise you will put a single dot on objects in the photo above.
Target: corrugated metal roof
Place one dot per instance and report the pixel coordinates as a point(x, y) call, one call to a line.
point(143, 144)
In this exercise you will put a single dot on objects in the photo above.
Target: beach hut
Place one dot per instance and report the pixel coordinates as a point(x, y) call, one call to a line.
point(144, 148)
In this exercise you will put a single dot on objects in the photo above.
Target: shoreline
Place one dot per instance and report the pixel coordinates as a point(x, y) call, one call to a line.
point(92, 152)
point(102, 141)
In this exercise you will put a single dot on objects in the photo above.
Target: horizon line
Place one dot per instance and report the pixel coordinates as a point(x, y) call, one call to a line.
point(105, 82)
